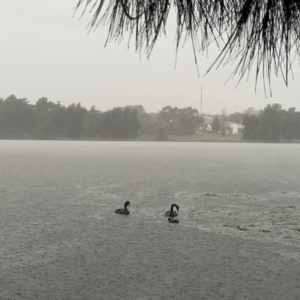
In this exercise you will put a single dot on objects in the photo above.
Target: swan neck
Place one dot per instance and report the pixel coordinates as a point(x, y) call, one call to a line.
point(172, 207)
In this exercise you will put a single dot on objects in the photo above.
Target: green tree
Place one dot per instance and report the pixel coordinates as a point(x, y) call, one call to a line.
point(291, 124)
point(120, 123)
point(179, 121)
point(251, 127)
point(139, 108)
point(50, 119)
point(223, 123)
point(161, 134)
point(16, 117)
point(167, 114)
point(271, 122)
point(147, 124)
point(134, 125)
point(44, 126)
point(92, 123)
point(215, 124)
point(187, 121)
point(75, 115)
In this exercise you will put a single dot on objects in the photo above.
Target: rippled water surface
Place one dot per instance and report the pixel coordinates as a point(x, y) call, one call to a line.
point(239, 215)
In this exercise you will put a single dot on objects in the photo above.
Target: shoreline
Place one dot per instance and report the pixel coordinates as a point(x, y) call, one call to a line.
point(208, 138)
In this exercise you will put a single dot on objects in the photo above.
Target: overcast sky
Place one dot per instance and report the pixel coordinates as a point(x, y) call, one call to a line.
point(47, 53)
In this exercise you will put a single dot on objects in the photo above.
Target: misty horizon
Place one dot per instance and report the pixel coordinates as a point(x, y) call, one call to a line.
point(128, 104)
point(47, 52)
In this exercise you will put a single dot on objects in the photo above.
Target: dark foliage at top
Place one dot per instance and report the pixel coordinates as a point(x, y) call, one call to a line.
point(257, 34)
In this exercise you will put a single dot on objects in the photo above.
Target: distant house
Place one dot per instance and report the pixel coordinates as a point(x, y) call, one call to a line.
point(208, 120)
point(206, 126)
point(234, 128)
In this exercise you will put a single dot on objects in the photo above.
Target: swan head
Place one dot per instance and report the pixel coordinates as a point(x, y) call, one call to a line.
point(177, 207)
point(127, 203)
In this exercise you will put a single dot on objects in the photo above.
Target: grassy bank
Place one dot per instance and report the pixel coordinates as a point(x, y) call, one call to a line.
point(198, 138)
point(234, 138)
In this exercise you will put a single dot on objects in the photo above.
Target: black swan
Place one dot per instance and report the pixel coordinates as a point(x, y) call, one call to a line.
point(171, 213)
point(173, 221)
point(123, 211)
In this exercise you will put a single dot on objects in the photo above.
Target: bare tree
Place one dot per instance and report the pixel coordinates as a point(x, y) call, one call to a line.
point(257, 34)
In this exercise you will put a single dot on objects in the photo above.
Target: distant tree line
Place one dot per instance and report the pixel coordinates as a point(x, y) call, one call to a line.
point(272, 124)
point(49, 120)
point(176, 121)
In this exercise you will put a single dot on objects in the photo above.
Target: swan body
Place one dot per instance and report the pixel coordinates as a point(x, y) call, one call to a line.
point(123, 211)
point(171, 213)
point(173, 221)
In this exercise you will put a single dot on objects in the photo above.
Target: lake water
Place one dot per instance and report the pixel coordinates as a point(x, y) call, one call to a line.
point(238, 236)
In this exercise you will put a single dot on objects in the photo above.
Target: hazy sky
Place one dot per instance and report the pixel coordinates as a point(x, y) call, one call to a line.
point(47, 53)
